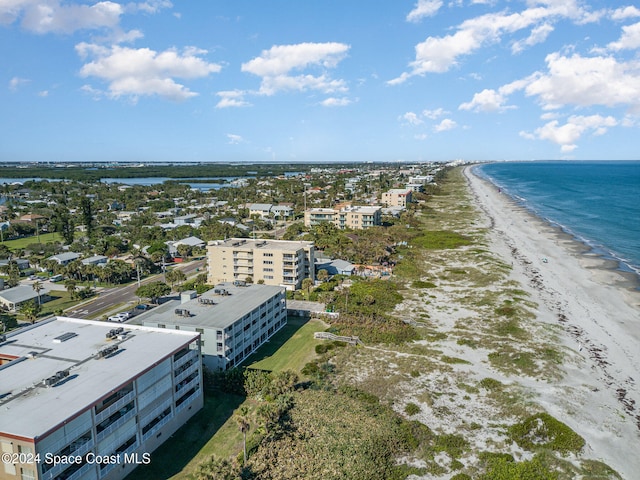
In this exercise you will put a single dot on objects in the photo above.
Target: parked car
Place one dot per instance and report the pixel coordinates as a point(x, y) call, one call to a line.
point(144, 306)
point(120, 317)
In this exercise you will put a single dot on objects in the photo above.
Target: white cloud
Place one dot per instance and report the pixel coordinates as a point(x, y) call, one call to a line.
point(568, 134)
point(433, 114)
point(50, 16)
point(538, 35)
point(444, 125)
point(439, 54)
point(56, 16)
point(17, 82)
point(142, 72)
point(275, 65)
point(232, 98)
point(488, 100)
point(629, 40)
point(336, 102)
point(625, 12)
point(424, 8)
point(412, 119)
point(234, 139)
point(149, 6)
point(585, 81)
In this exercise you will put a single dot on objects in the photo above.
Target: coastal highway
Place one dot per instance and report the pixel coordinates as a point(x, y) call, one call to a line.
point(121, 296)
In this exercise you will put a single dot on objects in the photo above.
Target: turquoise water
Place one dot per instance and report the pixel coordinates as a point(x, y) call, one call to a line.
point(596, 202)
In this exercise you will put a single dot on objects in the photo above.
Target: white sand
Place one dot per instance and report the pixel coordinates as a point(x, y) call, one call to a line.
point(599, 397)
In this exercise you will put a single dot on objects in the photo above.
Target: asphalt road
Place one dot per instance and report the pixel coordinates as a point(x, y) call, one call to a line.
point(119, 296)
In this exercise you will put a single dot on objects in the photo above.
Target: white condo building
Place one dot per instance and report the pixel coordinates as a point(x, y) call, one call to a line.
point(92, 400)
point(233, 320)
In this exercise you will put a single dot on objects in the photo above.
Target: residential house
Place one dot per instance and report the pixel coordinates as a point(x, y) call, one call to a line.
point(13, 298)
point(65, 258)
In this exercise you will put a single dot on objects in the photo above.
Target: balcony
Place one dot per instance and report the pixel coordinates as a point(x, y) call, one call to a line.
point(184, 359)
point(113, 408)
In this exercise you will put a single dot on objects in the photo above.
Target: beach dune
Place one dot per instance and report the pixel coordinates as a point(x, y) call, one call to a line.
point(597, 311)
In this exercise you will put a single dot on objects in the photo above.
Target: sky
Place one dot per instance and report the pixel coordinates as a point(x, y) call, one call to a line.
point(319, 81)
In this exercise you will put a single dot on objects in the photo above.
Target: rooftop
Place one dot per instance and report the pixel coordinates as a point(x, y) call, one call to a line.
point(266, 244)
point(21, 293)
point(212, 310)
point(30, 409)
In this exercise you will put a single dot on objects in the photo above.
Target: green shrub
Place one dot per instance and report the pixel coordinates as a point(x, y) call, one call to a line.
point(321, 348)
point(491, 384)
point(411, 409)
point(544, 431)
point(422, 284)
point(504, 469)
point(436, 240)
point(461, 476)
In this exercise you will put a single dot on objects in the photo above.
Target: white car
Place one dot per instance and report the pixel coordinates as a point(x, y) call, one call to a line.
point(119, 317)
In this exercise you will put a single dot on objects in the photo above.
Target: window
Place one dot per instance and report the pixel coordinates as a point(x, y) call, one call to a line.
point(27, 474)
point(268, 269)
point(268, 277)
point(268, 255)
point(268, 262)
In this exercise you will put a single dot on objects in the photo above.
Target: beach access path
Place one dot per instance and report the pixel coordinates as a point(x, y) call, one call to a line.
point(598, 310)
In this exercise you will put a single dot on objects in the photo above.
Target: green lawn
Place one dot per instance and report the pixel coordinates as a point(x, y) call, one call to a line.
point(20, 243)
point(289, 349)
point(195, 441)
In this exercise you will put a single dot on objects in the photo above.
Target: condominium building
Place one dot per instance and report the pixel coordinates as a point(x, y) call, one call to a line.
point(356, 218)
point(275, 262)
point(85, 399)
point(397, 197)
point(233, 320)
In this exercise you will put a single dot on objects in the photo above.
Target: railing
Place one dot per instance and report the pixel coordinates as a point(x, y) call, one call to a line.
point(331, 336)
point(81, 471)
point(187, 372)
point(157, 426)
point(184, 359)
point(115, 425)
point(187, 400)
point(155, 412)
point(113, 408)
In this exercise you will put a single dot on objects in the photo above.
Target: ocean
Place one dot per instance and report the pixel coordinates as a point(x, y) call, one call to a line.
point(597, 202)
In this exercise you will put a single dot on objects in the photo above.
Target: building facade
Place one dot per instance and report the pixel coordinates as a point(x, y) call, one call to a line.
point(356, 218)
point(397, 197)
point(233, 320)
point(275, 262)
point(82, 399)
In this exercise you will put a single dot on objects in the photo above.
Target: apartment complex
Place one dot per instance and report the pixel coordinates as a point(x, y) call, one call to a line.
point(82, 399)
point(356, 218)
point(397, 197)
point(275, 262)
point(233, 320)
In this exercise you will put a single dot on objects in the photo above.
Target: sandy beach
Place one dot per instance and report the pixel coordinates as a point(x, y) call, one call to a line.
point(598, 310)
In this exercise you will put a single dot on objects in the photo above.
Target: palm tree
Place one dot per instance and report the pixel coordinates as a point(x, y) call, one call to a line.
point(37, 286)
point(242, 419)
point(70, 285)
point(30, 310)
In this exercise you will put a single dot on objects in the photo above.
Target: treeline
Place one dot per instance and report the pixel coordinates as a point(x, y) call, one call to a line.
point(172, 171)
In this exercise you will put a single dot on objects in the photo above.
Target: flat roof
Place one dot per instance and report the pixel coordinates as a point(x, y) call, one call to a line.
point(211, 310)
point(29, 409)
point(266, 244)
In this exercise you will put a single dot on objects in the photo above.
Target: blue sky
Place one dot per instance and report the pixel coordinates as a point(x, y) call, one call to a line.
point(297, 81)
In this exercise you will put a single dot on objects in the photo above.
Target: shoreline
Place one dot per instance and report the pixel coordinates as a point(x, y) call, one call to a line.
point(594, 307)
point(630, 273)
